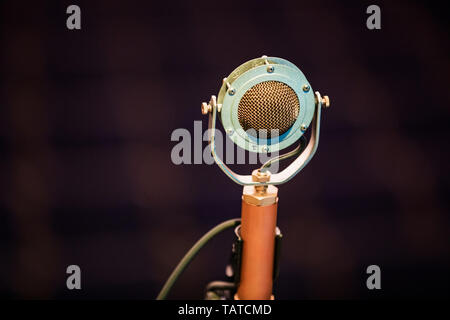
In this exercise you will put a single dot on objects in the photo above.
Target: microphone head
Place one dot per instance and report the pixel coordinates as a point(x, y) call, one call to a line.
point(271, 106)
point(266, 104)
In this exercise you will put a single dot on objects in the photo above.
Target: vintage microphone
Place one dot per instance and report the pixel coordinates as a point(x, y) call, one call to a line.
point(265, 105)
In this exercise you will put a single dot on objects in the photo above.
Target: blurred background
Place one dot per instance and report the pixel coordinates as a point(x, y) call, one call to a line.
point(86, 176)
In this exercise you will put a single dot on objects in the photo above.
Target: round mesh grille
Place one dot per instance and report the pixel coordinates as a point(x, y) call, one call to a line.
point(268, 105)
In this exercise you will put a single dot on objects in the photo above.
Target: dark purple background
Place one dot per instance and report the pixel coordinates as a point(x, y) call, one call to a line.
point(85, 122)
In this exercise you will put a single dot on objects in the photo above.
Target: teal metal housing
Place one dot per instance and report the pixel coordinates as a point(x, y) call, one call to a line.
point(248, 75)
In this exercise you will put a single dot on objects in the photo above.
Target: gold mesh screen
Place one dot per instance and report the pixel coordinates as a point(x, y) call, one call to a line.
point(269, 105)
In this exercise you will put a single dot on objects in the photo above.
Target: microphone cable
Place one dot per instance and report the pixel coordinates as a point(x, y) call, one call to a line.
point(189, 256)
point(299, 149)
